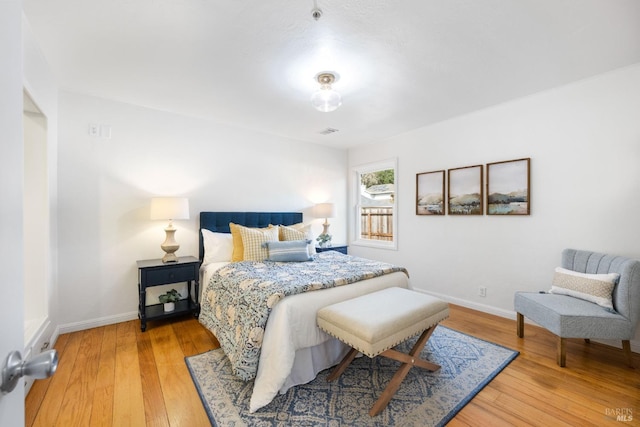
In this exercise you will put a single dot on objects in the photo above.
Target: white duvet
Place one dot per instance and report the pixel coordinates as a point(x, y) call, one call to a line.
point(294, 349)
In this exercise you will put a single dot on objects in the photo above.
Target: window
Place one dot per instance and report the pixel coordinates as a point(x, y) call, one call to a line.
point(375, 201)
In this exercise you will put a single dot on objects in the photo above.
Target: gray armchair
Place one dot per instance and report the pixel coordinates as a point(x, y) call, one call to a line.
point(569, 317)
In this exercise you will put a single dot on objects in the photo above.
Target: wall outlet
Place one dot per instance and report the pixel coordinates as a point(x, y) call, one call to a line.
point(482, 291)
point(105, 131)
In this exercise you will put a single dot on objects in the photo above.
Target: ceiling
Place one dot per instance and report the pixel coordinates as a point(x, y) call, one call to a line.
point(402, 64)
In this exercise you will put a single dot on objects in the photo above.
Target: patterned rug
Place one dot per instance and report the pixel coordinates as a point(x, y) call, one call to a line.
point(424, 398)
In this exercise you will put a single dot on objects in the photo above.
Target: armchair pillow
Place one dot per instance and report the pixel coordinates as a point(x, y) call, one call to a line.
point(596, 288)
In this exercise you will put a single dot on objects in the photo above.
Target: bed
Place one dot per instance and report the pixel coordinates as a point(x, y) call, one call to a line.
point(292, 348)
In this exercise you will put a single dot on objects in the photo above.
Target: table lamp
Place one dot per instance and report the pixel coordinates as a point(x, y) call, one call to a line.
point(325, 210)
point(170, 208)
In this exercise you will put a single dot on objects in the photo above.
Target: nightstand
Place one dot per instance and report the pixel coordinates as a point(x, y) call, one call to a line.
point(337, 248)
point(153, 272)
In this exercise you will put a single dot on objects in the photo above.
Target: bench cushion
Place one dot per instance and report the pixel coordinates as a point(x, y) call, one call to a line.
point(381, 320)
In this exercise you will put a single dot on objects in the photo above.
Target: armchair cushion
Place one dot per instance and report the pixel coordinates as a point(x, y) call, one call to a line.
point(569, 317)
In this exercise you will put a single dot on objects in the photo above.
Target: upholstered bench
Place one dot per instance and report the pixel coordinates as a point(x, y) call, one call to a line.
point(374, 323)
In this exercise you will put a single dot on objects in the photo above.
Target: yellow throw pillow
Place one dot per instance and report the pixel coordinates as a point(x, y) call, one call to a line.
point(238, 245)
point(252, 240)
point(238, 248)
point(288, 233)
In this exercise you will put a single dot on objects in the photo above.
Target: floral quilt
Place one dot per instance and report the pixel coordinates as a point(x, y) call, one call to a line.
point(240, 296)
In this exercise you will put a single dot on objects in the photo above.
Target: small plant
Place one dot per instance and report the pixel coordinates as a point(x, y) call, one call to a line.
point(323, 239)
point(171, 296)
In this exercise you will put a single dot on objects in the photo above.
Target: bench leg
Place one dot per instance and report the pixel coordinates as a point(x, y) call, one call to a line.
point(406, 358)
point(346, 361)
point(411, 358)
point(390, 390)
point(402, 372)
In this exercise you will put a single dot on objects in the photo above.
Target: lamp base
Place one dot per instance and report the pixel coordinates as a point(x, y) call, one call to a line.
point(325, 225)
point(169, 257)
point(170, 246)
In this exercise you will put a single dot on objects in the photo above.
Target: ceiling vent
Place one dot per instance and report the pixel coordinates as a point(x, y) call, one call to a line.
point(328, 131)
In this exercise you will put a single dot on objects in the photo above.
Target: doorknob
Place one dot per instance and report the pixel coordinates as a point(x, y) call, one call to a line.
point(41, 366)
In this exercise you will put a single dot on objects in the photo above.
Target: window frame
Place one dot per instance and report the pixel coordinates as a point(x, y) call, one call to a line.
point(356, 172)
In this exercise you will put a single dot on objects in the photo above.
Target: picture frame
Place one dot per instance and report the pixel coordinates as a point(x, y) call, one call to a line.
point(465, 195)
point(509, 187)
point(430, 193)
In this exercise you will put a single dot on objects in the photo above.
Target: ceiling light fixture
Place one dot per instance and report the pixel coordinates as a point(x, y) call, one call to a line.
point(316, 12)
point(326, 99)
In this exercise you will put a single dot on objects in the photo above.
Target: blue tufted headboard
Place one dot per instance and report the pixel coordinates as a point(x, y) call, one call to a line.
point(218, 222)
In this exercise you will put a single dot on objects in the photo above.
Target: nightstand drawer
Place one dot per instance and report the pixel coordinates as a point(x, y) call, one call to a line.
point(161, 276)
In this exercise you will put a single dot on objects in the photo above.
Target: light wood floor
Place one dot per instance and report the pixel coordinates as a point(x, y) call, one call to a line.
point(118, 376)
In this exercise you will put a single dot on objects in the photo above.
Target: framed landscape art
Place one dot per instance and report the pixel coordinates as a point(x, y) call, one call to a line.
point(430, 193)
point(465, 191)
point(508, 187)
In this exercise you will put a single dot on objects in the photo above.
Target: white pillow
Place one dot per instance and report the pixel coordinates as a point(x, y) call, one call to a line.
point(218, 247)
point(596, 288)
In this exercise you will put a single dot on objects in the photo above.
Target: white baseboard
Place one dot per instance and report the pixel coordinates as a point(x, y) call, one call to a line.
point(472, 305)
point(635, 345)
point(94, 323)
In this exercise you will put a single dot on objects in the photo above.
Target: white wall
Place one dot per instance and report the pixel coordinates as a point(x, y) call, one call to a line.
point(584, 143)
point(105, 186)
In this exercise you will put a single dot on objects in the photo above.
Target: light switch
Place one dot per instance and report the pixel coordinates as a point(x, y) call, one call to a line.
point(94, 129)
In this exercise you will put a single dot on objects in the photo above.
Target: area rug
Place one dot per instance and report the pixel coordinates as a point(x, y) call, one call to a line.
point(424, 398)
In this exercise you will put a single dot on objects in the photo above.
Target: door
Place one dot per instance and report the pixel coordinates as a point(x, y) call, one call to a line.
point(11, 201)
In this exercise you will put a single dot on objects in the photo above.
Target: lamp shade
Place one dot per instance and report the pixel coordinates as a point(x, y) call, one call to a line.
point(325, 210)
point(169, 208)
